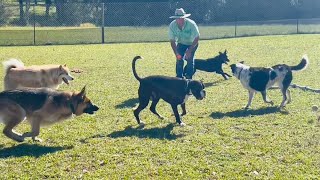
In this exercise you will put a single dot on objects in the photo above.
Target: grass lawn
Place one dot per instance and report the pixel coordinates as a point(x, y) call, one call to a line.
point(220, 141)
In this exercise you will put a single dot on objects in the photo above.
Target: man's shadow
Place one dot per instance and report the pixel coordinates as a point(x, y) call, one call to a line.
point(245, 113)
point(130, 103)
point(33, 150)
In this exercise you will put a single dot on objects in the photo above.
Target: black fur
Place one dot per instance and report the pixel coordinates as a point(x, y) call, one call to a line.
point(171, 89)
point(259, 77)
point(28, 99)
point(212, 64)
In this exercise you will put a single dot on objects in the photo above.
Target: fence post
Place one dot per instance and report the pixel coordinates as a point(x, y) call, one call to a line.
point(235, 27)
point(297, 25)
point(34, 24)
point(102, 24)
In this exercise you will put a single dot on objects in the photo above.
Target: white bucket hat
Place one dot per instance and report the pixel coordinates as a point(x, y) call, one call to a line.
point(180, 13)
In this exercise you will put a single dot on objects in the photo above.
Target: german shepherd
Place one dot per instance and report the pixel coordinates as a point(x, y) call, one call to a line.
point(40, 106)
point(19, 76)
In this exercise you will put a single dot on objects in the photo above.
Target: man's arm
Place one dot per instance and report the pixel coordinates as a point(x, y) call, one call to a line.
point(174, 49)
point(190, 49)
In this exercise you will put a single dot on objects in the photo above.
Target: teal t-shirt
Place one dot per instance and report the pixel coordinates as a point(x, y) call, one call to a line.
point(188, 33)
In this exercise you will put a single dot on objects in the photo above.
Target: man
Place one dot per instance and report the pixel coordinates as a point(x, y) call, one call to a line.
point(184, 36)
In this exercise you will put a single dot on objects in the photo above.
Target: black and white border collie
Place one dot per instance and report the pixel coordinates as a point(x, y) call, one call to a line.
point(259, 79)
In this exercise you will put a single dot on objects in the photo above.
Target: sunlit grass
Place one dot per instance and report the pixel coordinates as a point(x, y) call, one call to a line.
point(220, 141)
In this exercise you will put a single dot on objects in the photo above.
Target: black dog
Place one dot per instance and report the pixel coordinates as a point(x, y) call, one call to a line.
point(173, 90)
point(212, 64)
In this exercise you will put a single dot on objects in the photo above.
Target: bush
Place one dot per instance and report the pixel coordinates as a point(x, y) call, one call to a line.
point(4, 14)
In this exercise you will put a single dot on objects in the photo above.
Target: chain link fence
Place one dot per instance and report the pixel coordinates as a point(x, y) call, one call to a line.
point(84, 23)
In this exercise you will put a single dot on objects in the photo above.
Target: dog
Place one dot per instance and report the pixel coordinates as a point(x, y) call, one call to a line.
point(212, 64)
point(173, 90)
point(40, 106)
point(259, 79)
point(50, 76)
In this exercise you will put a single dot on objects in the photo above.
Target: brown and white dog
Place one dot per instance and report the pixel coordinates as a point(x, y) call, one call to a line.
point(260, 79)
point(18, 76)
point(40, 106)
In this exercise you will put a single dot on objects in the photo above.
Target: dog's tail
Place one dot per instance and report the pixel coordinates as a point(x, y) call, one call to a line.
point(134, 67)
point(12, 63)
point(302, 65)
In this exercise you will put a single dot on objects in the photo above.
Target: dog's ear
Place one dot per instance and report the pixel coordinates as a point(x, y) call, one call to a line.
point(225, 51)
point(65, 65)
point(83, 91)
point(60, 67)
point(202, 85)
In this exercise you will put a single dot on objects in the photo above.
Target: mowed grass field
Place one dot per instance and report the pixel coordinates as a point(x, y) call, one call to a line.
point(220, 141)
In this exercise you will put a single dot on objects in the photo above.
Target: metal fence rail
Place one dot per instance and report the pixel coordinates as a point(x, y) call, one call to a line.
point(78, 23)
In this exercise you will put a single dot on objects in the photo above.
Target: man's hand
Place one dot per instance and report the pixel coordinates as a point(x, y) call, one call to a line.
point(187, 54)
point(178, 56)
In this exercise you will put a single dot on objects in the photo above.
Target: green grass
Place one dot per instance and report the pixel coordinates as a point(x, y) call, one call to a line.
point(220, 141)
point(85, 35)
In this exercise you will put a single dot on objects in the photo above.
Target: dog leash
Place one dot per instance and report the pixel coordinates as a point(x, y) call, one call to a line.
point(296, 86)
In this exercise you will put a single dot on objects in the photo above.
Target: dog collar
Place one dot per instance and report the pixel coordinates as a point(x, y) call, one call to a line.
point(240, 73)
point(73, 110)
point(187, 87)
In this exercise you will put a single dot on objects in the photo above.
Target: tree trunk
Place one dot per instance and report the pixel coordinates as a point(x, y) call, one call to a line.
point(27, 11)
point(48, 4)
point(21, 20)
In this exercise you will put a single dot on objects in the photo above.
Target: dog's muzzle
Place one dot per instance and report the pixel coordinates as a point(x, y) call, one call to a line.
point(202, 95)
point(66, 79)
point(91, 109)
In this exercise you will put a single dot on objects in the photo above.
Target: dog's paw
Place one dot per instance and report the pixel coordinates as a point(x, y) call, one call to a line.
point(142, 123)
point(283, 109)
point(182, 124)
point(182, 114)
point(19, 139)
point(36, 139)
point(246, 107)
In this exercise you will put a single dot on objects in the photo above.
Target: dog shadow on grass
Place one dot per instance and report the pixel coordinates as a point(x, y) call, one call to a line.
point(33, 150)
point(140, 132)
point(215, 83)
point(245, 113)
point(130, 103)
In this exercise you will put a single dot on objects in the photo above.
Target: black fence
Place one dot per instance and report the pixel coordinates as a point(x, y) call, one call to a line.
point(77, 23)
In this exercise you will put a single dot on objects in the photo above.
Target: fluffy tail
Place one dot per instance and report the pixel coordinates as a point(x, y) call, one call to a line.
point(302, 65)
point(12, 63)
point(134, 67)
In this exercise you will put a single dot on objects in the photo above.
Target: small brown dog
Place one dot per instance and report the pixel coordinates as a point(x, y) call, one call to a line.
point(40, 106)
point(17, 75)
